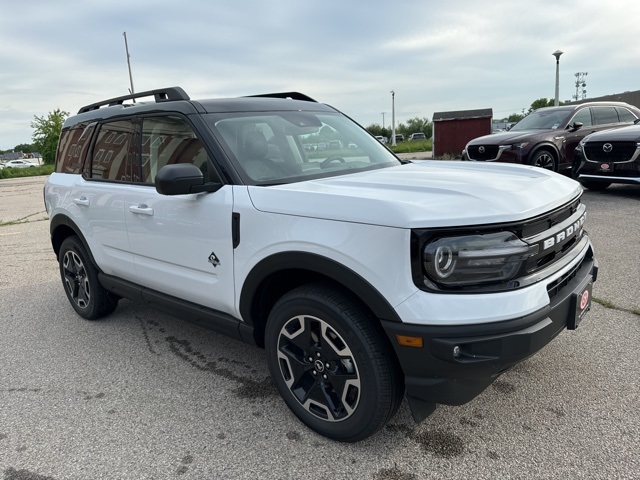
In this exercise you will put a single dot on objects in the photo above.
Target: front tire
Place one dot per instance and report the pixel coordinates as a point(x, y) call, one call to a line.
point(331, 364)
point(80, 280)
point(595, 186)
point(544, 159)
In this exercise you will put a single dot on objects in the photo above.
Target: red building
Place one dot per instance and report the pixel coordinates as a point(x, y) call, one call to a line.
point(452, 130)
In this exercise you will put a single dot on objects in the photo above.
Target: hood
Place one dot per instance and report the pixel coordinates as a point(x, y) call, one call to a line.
point(425, 194)
point(629, 134)
point(507, 138)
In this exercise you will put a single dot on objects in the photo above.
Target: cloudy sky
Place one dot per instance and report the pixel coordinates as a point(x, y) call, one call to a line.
point(436, 56)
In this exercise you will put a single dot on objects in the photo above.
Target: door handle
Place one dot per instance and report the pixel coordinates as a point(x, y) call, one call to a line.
point(81, 201)
point(141, 209)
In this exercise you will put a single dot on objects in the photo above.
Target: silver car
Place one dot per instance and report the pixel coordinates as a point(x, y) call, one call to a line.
point(19, 164)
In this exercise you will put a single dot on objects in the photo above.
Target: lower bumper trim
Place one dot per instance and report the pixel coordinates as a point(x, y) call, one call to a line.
point(457, 363)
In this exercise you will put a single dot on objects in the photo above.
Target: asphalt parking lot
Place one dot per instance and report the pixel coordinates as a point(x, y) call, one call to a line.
point(141, 395)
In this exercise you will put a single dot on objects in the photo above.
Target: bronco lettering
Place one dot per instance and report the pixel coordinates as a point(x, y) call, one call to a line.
point(568, 232)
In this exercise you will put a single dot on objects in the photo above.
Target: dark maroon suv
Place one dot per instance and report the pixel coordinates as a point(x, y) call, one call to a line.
point(547, 137)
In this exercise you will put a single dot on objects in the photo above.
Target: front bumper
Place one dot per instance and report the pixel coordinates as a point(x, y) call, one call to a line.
point(626, 172)
point(456, 363)
point(491, 152)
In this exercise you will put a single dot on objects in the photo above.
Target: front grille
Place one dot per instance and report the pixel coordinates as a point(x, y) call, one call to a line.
point(490, 152)
point(554, 287)
point(618, 151)
point(545, 222)
point(555, 234)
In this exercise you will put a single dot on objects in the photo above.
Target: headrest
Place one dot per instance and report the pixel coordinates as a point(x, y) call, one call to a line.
point(255, 145)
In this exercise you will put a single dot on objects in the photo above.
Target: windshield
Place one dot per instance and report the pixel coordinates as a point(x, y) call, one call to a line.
point(285, 147)
point(543, 120)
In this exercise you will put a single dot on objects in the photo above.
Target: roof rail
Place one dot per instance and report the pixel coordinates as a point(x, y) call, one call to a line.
point(161, 95)
point(290, 95)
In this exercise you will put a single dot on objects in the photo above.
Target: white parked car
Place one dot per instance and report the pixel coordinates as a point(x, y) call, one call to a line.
point(365, 278)
point(19, 164)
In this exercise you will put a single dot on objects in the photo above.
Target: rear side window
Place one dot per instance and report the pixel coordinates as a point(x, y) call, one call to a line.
point(583, 116)
point(625, 115)
point(605, 115)
point(73, 147)
point(166, 141)
point(113, 150)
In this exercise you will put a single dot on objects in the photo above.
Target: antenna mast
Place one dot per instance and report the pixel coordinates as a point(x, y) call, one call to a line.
point(126, 46)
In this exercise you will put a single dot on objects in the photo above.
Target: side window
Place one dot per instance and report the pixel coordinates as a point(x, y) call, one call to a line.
point(165, 141)
point(73, 147)
point(583, 116)
point(605, 115)
point(625, 115)
point(112, 151)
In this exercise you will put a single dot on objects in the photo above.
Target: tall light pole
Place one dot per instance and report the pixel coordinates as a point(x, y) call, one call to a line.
point(393, 118)
point(557, 54)
point(383, 114)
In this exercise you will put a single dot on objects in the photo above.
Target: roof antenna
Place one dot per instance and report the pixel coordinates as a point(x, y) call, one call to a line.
point(126, 46)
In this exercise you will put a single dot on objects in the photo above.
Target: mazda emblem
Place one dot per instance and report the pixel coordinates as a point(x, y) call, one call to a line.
point(481, 149)
point(607, 147)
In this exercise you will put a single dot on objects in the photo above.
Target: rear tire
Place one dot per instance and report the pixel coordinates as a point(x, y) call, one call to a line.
point(331, 363)
point(80, 280)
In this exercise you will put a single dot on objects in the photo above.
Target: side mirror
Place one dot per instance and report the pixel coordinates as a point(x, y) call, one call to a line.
point(576, 126)
point(182, 179)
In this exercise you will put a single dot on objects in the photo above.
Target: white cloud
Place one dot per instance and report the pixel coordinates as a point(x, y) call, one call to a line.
point(437, 56)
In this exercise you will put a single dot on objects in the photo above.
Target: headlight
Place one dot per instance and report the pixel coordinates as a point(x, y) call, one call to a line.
point(515, 146)
point(475, 259)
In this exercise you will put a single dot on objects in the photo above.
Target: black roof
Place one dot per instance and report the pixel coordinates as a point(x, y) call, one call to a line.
point(260, 104)
point(175, 99)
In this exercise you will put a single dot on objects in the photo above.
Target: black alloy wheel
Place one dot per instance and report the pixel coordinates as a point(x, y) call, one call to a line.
point(544, 159)
point(80, 279)
point(330, 363)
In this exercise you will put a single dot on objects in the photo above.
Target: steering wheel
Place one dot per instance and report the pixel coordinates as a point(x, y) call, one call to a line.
point(336, 158)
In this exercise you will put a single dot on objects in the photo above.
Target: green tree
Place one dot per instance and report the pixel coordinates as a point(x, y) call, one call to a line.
point(375, 129)
point(47, 133)
point(542, 102)
point(413, 125)
point(417, 124)
point(24, 148)
point(515, 117)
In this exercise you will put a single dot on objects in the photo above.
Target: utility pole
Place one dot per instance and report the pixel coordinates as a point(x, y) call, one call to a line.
point(581, 83)
point(393, 118)
point(383, 114)
point(126, 46)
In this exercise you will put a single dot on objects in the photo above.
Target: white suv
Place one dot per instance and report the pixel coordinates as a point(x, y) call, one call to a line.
point(364, 277)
